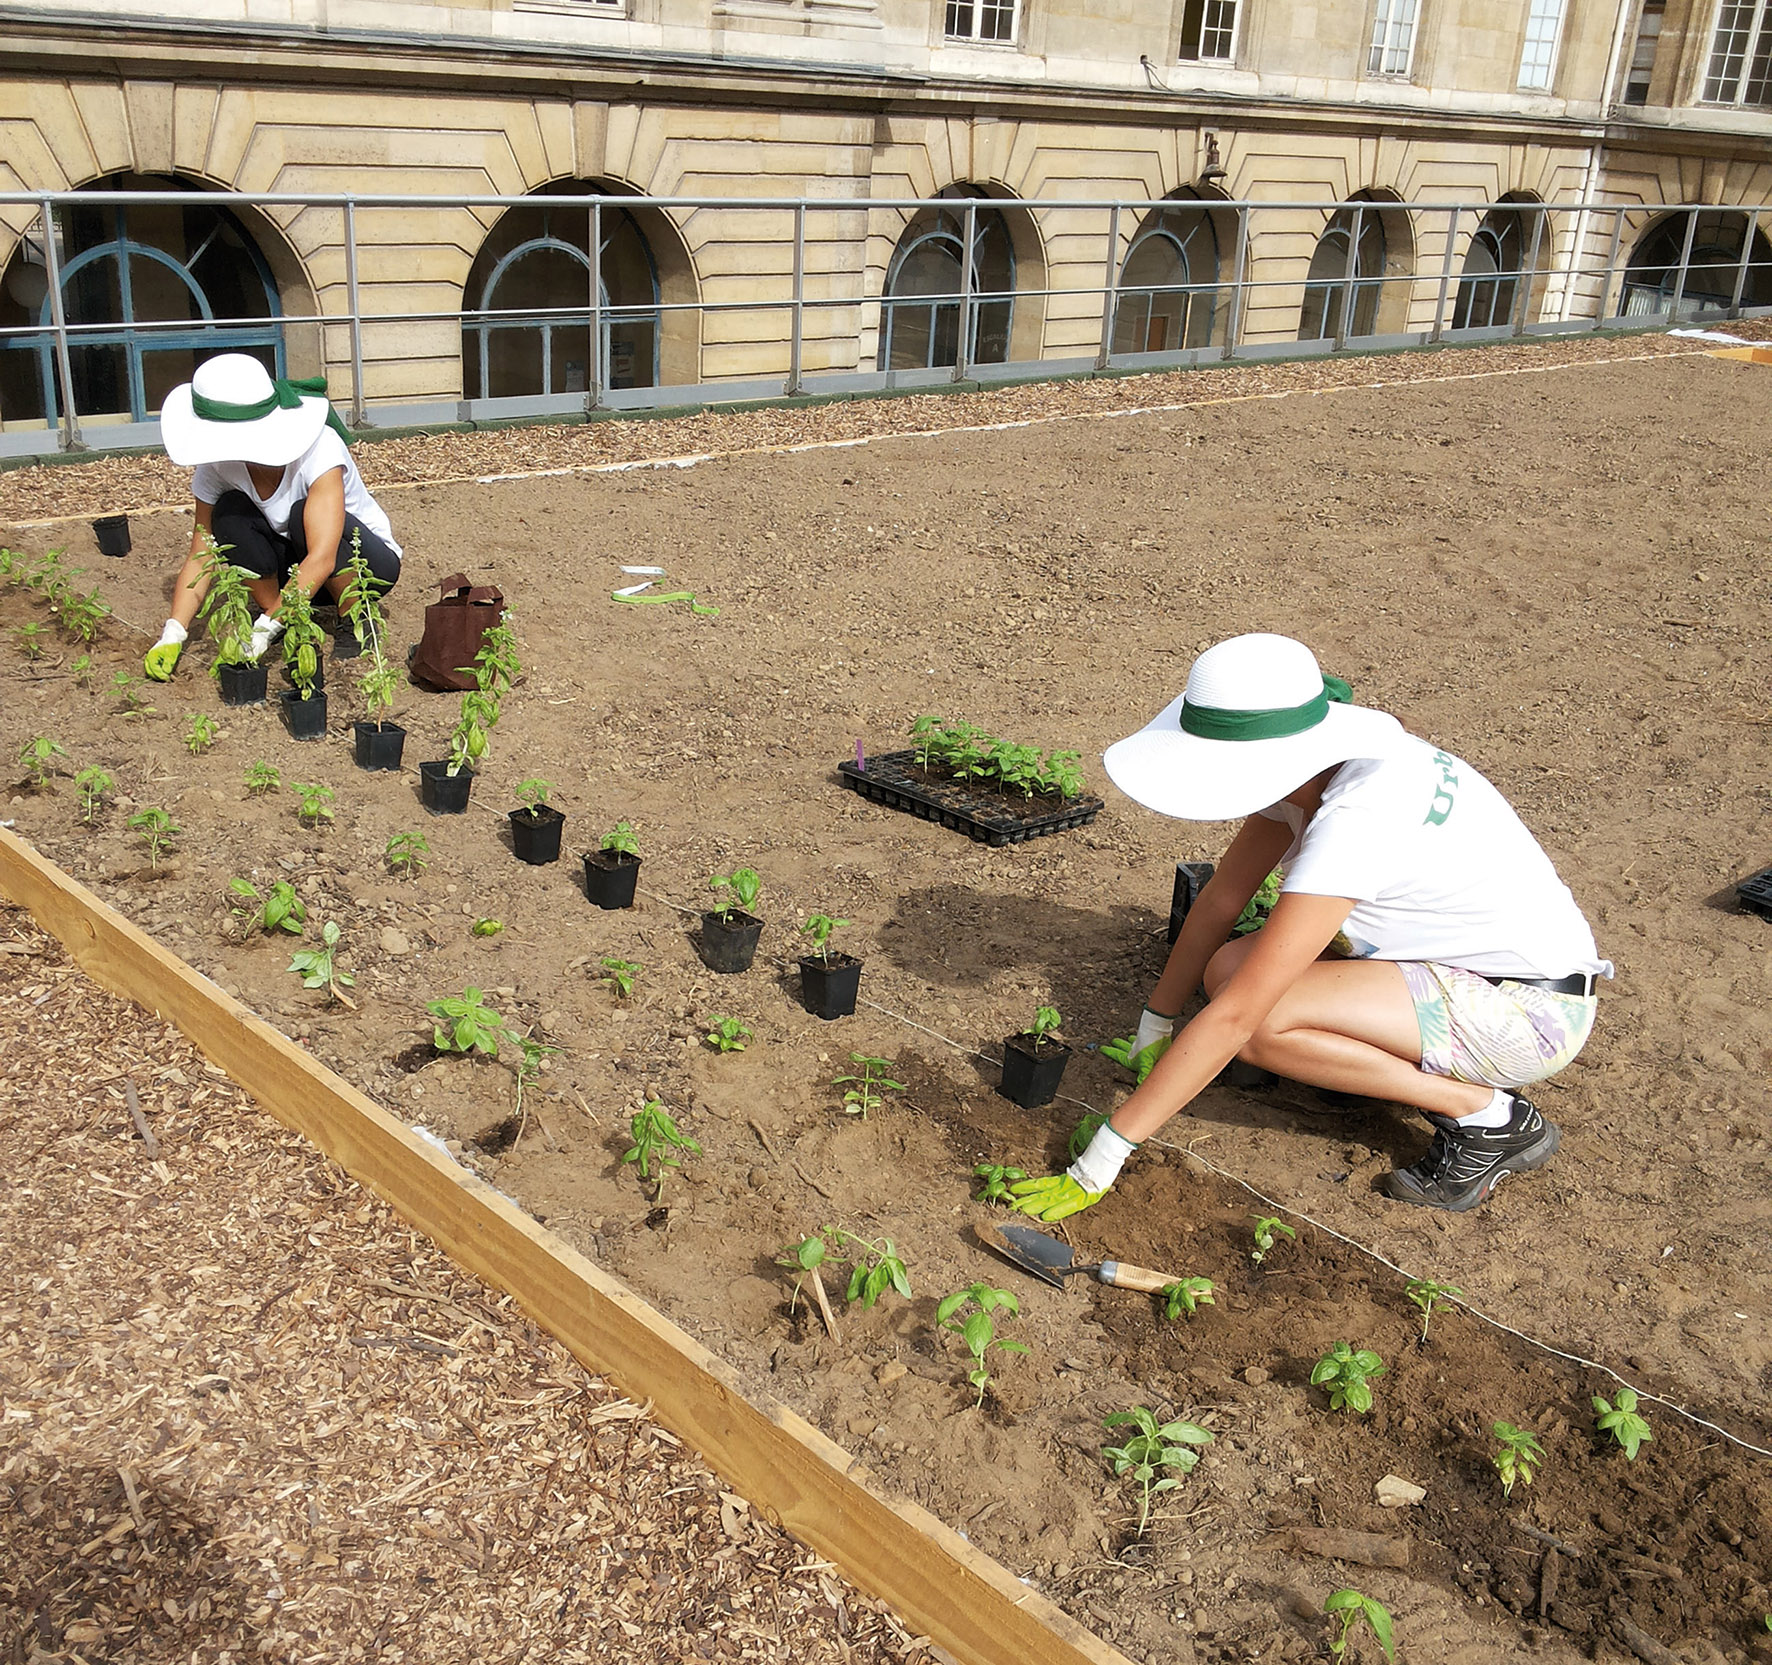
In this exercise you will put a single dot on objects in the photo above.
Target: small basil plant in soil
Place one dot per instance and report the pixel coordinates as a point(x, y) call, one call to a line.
point(158, 831)
point(37, 758)
point(262, 778)
point(1149, 1451)
point(318, 969)
point(620, 975)
point(1518, 1453)
point(536, 826)
point(282, 910)
point(656, 1140)
point(865, 1092)
point(730, 931)
point(612, 870)
point(995, 1180)
point(978, 1328)
point(1623, 1422)
point(1352, 1611)
point(1269, 1229)
point(727, 1034)
point(92, 784)
point(829, 983)
point(1188, 1295)
point(200, 730)
point(302, 637)
point(226, 609)
point(405, 854)
point(1347, 1373)
point(465, 1024)
point(1428, 1295)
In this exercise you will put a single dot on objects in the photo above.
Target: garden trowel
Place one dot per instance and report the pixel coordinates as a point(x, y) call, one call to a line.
point(1049, 1259)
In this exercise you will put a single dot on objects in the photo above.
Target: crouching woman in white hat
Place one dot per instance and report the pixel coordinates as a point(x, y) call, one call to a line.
point(275, 485)
point(1422, 950)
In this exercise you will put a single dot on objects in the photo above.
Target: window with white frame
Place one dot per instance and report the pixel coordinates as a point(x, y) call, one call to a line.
point(1208, 31)
point(986, 20)
point(1740, 69)
point(1544, 32)
point(1393, 38)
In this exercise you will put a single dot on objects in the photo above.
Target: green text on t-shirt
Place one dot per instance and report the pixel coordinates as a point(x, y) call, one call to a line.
point(1442, 804)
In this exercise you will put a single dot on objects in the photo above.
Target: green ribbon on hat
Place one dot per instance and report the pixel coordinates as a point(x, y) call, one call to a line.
point(1210, 722)
point(286, 394)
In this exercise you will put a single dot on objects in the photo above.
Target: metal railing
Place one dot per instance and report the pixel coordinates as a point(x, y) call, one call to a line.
point(824, 269)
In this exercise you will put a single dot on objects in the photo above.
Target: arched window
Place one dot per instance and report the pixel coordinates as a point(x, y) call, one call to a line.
point(1330, 292)
point(1712, 267)
point(1168, 284)
point(526, 325)
point(1492, 267)
point(920, 315)
point(191, 269)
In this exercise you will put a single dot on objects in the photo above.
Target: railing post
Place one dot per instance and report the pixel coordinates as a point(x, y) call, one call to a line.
point(1344, 318)
point(359, 414)
point(1523, 295)
point(1110, 289)
point(58, 318)
point(1439, 328)
point(797, 342)
point(963, 348)
point(1673, 315)
point(594, 353)
point(1611, 267)
point(1747, 254)
point(1233, 324)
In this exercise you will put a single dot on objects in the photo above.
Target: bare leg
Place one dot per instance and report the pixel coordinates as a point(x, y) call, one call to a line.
point(265, 595)
point(1350, 1026)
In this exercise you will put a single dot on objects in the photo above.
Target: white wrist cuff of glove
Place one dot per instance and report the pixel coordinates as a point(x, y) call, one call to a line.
point(1099, 1166)
point(174, 635)
point(265, 630)
point(1152, 1027)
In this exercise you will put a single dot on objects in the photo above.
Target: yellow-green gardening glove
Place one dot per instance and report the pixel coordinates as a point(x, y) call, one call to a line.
point(162, 658)
point(1140, 1051)
point(1082, 1185)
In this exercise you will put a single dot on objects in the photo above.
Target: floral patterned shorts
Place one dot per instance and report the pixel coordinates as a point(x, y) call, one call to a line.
point(1506, 1036)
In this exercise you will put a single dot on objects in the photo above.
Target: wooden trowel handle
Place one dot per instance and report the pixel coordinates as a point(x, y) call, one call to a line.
point(1123, 1275)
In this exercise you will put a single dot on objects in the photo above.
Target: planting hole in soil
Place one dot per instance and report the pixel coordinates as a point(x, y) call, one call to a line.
point(1623, 739)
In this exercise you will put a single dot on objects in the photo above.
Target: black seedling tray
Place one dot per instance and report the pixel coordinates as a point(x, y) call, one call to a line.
point(895, 780)
point(1756, 893)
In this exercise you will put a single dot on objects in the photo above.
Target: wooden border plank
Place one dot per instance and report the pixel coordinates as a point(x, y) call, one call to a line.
point(959, 1597)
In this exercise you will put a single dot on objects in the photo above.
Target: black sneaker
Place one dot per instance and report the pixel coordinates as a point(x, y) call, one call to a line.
point(1464, 1165)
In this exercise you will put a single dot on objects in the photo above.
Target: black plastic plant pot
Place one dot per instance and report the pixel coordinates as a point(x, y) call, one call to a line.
point(306, 718)
point(112, 532)
point(441, 792)
point(1190, 880)
point(828, 987)
point(346, 646)
point(379, 745)
point(535, 834)
point(610, 878)
point(241, 684)
point(1032, 1070)
point(1755, 893)
point(729, 941)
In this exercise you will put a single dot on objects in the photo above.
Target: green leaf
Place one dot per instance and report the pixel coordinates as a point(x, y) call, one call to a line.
point(977, 1333)
point(952, 1304)
point(1380, 1620)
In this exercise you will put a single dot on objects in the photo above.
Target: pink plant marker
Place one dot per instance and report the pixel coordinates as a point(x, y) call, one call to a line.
point(861, 761)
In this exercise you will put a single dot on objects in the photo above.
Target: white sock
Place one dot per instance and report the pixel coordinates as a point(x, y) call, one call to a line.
point(1498, 1112)
point(174, 634)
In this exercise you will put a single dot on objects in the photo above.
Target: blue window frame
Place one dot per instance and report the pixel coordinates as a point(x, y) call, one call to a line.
point(190, 269)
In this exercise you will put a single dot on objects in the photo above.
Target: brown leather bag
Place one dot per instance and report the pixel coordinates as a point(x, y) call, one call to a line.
point(454, 625)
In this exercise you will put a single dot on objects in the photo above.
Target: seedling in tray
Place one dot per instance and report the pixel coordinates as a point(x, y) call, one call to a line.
point(1351, 1610)
point(1188, 1296)
point(37, 758)
point(318, 969)
point(199, 733)
point(316, 803)
point(619, 975)
point(997, 1180)
point(727, 1034)
point(1622, 1422)
point(1269, 1229)
point(282, 910)
point(1517, 1456)
point(92, 784)
point(656, 1137)
point(1428, 1295)
point(262, 777)
point(405, 854)
point(978, 1329)
point(1347, 1373)
point(1149, 1450)
point(158, 831)
point(466, 1024)
point(865, 1091)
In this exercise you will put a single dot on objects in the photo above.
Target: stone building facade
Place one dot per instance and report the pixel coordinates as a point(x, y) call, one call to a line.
point(998, 106)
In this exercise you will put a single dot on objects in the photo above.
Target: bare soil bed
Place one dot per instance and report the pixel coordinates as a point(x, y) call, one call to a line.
point(1561, 578)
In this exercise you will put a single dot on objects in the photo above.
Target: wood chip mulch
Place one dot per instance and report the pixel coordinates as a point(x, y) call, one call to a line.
point(117, 485)
point(246, 1414)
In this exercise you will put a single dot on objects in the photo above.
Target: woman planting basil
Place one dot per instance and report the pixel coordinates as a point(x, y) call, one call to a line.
point(1422, 949)
point(275, 486)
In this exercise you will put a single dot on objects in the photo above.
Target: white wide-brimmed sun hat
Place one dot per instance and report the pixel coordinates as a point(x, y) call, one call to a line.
point(232, 411)
point(1259, 718)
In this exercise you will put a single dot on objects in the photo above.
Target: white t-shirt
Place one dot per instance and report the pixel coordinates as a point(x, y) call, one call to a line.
point(328, 452)
point(1439, 867)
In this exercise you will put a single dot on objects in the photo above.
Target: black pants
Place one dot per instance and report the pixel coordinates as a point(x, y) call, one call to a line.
point(236, 522)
